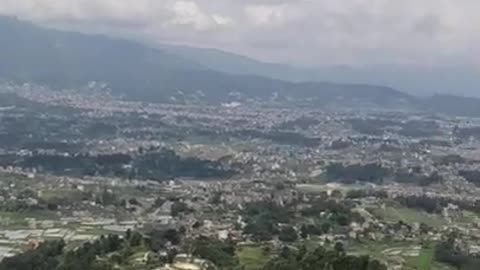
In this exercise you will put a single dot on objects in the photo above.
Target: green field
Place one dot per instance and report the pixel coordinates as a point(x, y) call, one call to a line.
point(253, 257)
point(398, 252)
point(17, 220)
point(319, 188)
point(424, 261)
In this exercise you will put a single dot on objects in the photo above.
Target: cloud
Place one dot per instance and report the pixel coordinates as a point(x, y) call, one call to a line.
point(270, 15)
point(189, 13)
point(308, 32)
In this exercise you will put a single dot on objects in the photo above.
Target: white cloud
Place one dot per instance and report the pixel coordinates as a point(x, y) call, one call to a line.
point(320, 32)
point(267, 14)
point(222, 20)
point(189, 13)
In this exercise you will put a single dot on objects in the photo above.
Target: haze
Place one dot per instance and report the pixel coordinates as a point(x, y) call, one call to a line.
point(421, 47)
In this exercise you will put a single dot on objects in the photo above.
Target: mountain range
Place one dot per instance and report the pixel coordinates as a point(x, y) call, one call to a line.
point(178, 73)
point(416, 80)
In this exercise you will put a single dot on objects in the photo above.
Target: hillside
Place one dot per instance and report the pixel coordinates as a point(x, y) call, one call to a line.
point(427, 80)
point(65, 59)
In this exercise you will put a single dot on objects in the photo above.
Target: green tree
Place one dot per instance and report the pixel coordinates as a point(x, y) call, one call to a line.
point(288, 234)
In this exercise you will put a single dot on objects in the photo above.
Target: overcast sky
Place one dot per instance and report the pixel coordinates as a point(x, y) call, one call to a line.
point(303, 32)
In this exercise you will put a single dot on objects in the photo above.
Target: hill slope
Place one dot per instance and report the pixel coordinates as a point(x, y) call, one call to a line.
point(421, 80)
point(64, 59)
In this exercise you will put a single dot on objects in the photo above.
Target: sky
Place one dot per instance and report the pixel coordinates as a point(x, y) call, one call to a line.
point(298, 32)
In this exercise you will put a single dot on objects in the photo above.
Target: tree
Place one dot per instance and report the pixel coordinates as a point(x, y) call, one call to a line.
point(339, 248)
point(216, 198)
point(136, 239)
point(322, 259)
point(222, 254)
point(178, 208)
point(337, 194)
point(157, 239)
point(304, 231)
point(128, 234)
point(288, 234)
point(325, 227)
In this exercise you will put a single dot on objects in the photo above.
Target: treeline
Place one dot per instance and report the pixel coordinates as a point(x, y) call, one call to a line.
point(303, 122)
point(418, 178)
point(349, 174)
point(377, 174)
point(428, 204)
point(335, 213)
point(262, 219)
point(156, 165)
point(418, 128)
point(436, 204)
point(281, 137)
point(265, 219)
point(451, 159)
point(52, 145)
point(53, 255)
point(413, 128)
point(276, 136)
point(364, 193)
point(115, 252)
point(322, 259)
point(449, 252)
point(374, 127)
point(467, 132)
point(471, 176)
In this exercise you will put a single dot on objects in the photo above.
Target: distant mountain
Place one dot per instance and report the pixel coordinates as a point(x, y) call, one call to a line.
point(240, 65)
point(420, 80)
point(452, 105)
point(65, 59)
point(176, 74)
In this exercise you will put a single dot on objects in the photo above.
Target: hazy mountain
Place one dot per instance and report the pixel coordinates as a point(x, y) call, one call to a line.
point(240, 65)
point(414, 80)
point(181, 74)
point(30, 53)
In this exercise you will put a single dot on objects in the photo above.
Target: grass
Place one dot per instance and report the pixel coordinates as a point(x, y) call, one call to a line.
point(467, 218)
point(68, 195)
point(253, 257)
point(395, 253)
point(324, 187)
point(439, 266)
point(424, 261)
point(137, 255)
point(375, 249)
point(18, 219)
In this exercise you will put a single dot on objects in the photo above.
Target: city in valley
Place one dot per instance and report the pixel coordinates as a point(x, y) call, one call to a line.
point(239, 185)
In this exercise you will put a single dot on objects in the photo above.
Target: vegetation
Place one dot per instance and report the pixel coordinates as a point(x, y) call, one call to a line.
point(157, 165)
point(425, 260)
point(263, 218)
point(253, 257)
point(282, 137)
point(372, 173)
point(450, 253)
point(322, 259)
point(146, 74)
point(54, 256)
point(409, 216)
point(471, 176)
point(436, 204)
point(413, 128)
point(222, 254)
point(467, 132)
point(335, 213)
